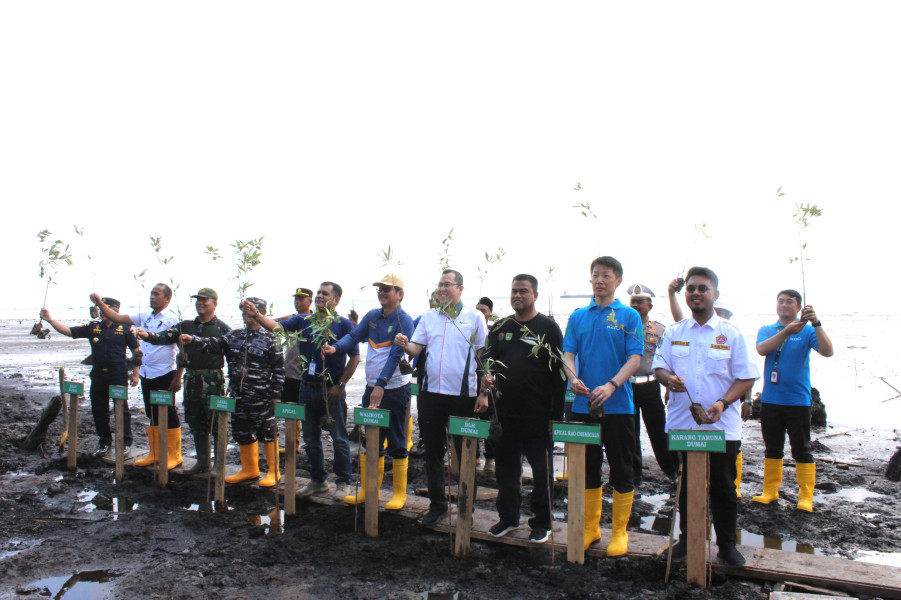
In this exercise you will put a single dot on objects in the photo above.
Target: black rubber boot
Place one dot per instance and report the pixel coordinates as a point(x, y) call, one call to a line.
point(202, 447)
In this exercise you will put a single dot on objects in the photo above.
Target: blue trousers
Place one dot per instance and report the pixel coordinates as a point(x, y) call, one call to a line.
point(312, 399)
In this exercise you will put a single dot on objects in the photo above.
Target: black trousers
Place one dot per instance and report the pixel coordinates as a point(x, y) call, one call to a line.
point(101, 379)
point(291, 390)
point(529, 436)
point(723, 501)
point(159, 383)
point(649, 406)
point(618, 440)
point(434, 410)
point(777, 420)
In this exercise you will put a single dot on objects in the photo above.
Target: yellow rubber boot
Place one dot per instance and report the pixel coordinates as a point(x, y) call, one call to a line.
point(361, 495)
point(272, 477)
point(152, 457)
point(594, 507)
point(565, 476)
point(250, 464)
point(738, 475)
point(622, 508)
point(807, 475)
point(772, 479)
point(173, 446)
point(399, 475)
point(410, 435)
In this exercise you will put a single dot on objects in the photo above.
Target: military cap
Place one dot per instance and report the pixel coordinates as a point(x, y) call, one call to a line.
point(258, 302)
point(207, 293)
point(640, 291)
point(111, 302)
point(303, 292)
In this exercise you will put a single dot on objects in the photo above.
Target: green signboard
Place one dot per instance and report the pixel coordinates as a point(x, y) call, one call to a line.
point(118, 392)
point(414, 389)
point(468, 427)
point(576, 433)
point(162, 398)
point(697, 440)
point(375, 417)
point(223, 404)
point(290, 411)
point(570, 396)
point(70, 387)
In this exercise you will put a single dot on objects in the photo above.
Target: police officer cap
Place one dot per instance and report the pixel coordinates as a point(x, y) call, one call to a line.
point(258, 302)
point(303, 293)
point(207, 293)
point(111, 302)
point(640, 291)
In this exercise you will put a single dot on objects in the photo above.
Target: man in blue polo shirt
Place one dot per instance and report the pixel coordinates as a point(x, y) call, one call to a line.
point(323, 387)
point(785, 402)
point(606, 338)
point(386, 387)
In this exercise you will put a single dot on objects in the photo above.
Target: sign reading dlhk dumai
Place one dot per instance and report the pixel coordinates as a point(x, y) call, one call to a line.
point(372, 417)
point(290, 411)
point(697, 440)
point(223, 404)
point(468, 427)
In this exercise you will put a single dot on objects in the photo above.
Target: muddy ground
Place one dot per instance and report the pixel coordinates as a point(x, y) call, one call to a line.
point(166, 544)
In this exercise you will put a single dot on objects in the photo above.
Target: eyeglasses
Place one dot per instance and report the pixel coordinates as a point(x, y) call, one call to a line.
point(701, 288)
point(446, 284)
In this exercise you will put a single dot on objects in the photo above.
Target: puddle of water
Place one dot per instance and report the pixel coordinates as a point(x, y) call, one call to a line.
point(440, 595)
point(891, 559)
point(849, 494)
point(273, 521)
point(122, 506)
point(14, 547)
point(86, 585)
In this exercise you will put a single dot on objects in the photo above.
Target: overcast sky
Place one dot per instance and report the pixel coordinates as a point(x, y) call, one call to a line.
point(336, 129)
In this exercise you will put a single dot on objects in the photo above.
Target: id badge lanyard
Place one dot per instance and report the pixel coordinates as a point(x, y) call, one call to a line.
point(774, 374)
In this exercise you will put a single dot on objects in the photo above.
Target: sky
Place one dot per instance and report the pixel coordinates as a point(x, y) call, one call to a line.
point(336, 130)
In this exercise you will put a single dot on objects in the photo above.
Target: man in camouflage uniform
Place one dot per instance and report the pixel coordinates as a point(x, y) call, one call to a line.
point(203, 376)
point(256, 374)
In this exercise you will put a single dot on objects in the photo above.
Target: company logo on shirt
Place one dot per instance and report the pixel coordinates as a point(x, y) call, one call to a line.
point(721, 339)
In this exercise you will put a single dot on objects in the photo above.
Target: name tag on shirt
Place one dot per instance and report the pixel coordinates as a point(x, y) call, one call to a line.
point(720, 347)
point(678, 343)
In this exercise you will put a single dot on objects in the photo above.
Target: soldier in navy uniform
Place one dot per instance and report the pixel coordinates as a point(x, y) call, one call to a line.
point(109, 367)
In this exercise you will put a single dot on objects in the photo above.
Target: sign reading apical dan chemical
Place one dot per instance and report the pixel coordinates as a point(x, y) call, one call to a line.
point(71, 387)
point(290, 411)
point(373, 417)
point(576, 433)
point(118, 392)
point(223, 403)
point(468, 427)
point(697, 440)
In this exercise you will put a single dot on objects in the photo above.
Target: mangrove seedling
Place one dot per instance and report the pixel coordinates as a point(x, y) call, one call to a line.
point(802, 216)
point(444, 256)
point(54, 256)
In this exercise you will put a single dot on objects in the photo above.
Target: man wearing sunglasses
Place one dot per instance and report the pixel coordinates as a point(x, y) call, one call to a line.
point(454, 336)
point(706, 359)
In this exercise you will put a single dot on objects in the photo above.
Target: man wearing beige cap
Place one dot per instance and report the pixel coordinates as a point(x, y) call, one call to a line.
point(387, 387)
point(203, 377)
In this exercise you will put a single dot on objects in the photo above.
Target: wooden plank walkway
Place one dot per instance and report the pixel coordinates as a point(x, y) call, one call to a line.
point(762, 563)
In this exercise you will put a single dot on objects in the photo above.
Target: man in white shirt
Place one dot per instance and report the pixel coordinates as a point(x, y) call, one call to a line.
point(454, 336)
point(705, 359)
point(159, 370)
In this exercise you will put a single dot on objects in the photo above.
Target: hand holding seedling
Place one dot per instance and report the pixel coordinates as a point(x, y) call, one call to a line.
point(808, 314)
point(334, 394)
point(675, 286)
point(601, 394)
point(481, 403)
point(795, 327)
point(141, 334)
point(328, 351)
point(579, 388)
point(400, 340)
point(675, 384)
point(45, 315)
point(488, 381)
point(185, 339)
point(716, 411)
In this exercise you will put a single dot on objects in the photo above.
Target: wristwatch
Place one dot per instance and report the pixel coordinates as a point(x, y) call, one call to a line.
point(818, 323)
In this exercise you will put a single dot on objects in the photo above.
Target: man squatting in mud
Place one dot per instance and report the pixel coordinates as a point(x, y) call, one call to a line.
point(454, 336)
point(530, 389)
point(256, 373)
point(203, 371)
point(706, 359)
point(606, 337)
point(159, 370)
point(785, 402)
point(322, 390)
point(108, 367)
point(386, 386)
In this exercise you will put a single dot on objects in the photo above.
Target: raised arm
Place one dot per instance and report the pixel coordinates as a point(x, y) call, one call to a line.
point(109, 313)
point(674, 286)
point(60, 327)
point(253, 312)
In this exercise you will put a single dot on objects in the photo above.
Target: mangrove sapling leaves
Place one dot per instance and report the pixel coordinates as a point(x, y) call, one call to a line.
point(585, 209)
point(577, 186)
point(802, 216)
point(54, 256)
point(444, 256)
point(212, 252)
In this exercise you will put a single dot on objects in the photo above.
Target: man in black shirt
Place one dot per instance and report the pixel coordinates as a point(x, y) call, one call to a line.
point(523, 352)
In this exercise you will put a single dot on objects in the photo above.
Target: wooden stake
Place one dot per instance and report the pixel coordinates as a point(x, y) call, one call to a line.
point(696, 515)
point(465, 497)
point(64, 397)
point(162, 451)
point(73, 432)
point(221, 449)
point(575, 523)
point(371, 485)
point(120, 438)
point(290, 465)
point(454, 467)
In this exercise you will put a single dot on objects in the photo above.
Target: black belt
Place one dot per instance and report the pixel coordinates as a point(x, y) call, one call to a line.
point(316, 385)
point(112, 368)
